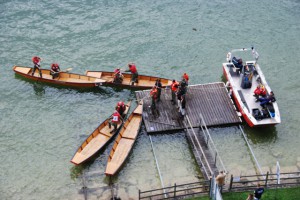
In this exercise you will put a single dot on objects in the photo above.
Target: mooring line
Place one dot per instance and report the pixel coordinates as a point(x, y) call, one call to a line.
point(159, 173)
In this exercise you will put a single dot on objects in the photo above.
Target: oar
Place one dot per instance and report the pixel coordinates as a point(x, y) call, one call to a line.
point(69, 69)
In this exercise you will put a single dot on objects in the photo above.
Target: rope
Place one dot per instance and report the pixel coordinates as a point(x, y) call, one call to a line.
point(256, 162)
point(159, 173)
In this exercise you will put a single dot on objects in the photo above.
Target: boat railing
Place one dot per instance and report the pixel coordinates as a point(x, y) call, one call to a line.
point(211, 145)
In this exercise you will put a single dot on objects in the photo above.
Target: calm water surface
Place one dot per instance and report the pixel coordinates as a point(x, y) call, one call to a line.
point(42, 126)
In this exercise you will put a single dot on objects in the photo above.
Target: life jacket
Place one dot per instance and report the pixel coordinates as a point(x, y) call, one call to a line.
point(36, 60)
point(174, 86)
point(55, 67)
point(116, 117)
point(132, 68)
point(153, 93)
point(185, 76)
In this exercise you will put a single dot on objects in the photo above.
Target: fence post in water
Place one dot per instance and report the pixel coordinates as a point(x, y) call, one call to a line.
point(267, 179)
point(175, 190)
point(216, 157)
point(230, 185)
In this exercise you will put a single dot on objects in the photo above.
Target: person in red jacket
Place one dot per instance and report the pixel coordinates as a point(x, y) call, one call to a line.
point(133, 70)
point(37, 65)
point(174, 88)
point(55, 69)
point(114, 121)
point(121, 107)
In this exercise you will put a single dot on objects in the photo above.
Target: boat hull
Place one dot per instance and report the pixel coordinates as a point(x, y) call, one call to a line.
point(241, 101)
point(64, 79)
point(145, 82)
point(96, 141)
point(124, 141)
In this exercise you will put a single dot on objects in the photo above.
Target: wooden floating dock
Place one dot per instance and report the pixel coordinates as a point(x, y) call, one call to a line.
point(211, 100)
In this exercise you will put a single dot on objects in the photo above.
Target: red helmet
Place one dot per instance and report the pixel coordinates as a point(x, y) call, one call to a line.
point(120, 103)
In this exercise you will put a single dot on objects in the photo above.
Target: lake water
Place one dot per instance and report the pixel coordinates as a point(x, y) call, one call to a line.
point(42, 126)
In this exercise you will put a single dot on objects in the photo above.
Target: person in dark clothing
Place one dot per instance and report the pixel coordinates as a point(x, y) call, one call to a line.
point(258, 192)
point(158, 87)
point(265, 100)
point(37, 65)
point(181, 102)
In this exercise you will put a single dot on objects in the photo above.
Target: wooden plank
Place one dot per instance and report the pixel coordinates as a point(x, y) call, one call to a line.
point(211, 100)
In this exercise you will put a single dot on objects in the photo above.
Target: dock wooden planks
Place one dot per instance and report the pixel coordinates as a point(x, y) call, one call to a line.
point(211, 100)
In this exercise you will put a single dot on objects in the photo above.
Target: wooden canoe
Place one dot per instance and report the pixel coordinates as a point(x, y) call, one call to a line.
point(145, 82)
point(96, 140)
point(64, 78)
point(124, 141)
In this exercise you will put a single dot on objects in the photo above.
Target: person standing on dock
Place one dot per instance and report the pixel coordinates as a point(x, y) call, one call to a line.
point(181, 103)
point(153, 95)
point(133, 70)
point(174, 88)
point(36, 65)
point(158, 86)
point(220, 179)
point(55, 69)
point(185, 76)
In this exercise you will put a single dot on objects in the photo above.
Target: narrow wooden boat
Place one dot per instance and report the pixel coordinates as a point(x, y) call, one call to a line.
point(243, 80)
point(144, 82)
point(124, 141)
point(64, 78)
point(99, 138)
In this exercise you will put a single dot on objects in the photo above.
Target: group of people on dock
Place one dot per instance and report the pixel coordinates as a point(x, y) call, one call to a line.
point(178, 94)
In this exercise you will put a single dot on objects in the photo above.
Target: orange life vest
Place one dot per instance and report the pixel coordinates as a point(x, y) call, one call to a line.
point(174, 86)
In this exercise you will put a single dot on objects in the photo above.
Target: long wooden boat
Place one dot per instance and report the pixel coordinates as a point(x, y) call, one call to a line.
point(144, 82)
point(97, 140)
point(124, 141)
point(64, 78)
point(243, 80)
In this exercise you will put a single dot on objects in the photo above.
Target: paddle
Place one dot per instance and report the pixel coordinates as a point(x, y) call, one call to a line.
point(67, 70)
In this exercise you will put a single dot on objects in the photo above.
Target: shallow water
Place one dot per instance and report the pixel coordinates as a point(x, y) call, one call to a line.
point(42, 126)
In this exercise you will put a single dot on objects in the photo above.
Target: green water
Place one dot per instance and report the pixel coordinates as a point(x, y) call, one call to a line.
point(42, 126)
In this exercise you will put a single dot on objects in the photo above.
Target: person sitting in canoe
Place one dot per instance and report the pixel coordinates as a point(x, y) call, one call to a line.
point(55, 69)
point(114, 121)
point(36, 65)
point(121, 107)
point(133, 70)
point(118, 77)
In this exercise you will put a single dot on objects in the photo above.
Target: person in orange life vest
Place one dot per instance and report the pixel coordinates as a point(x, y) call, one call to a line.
point(133, 70)
point(186, 77)
point(153, 94)
point(37, 65)
point(121, 107)
point(174, 88)
point(55, 69)
point(118, 77)
point(260, 91)
point(114, 121)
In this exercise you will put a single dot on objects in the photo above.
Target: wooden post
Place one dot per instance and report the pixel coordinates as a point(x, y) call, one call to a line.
point(175, 190)
point(139, 194)
point(231, 181)
point(216, 157)
point(266, 182)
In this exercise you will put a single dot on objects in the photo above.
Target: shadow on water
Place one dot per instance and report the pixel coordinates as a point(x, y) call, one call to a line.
point(261, 135)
